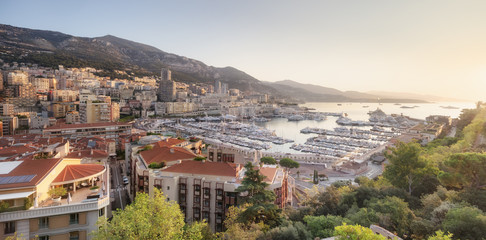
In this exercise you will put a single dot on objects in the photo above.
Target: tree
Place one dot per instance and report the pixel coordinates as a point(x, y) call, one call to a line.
point(315, 178)
point(464, 170)
point(439, 235)
point(465, 223)
point(235, 229)
point(356, 232)
point(147, 218)
point(323, 226)
point(253, 191)
point(268, 160)
point(406, 166)
point(394, 214)
point(289, 231)
point(288, 163)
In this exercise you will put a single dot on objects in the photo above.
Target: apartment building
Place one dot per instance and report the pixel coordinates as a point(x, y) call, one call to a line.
point(6, 109)
point(9, 124)
point(40, 83)
point(106, 130)
point(205, 190)
point(224, 153)
point(99, 111)
point(29, 211)
point(17, 78)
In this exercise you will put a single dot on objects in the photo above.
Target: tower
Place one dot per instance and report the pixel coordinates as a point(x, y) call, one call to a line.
point(167, 87)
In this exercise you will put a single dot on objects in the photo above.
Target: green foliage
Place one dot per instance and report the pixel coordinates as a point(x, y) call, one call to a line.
point(446, 142)
point(315, 178)
point(422, 227)
point(394, 214)
point(323, 226)
point(253, 191)
point(363, 216)
point(464, 170)
point(57, 192)
point(439, 235)
point(268, 160)
point(407, 167)
point(151, 133)
point(199, 158)
point(475, 197)
point(198, 231)
point(466, 117)
point(3, 206)
point(288, 231)
point(356, 232)
point(465, 223)
point(341, 183)
point(155, 165)
point(238, 230)
point(288, 163)
point(126, 119)
point(147, 218)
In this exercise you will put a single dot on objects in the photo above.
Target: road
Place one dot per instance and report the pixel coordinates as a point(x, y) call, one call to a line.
point(118, 189)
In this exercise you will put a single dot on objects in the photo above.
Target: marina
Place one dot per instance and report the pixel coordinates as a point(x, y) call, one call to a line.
point(313, 137)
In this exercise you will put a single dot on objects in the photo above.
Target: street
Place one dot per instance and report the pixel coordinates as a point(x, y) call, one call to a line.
point(118, 189)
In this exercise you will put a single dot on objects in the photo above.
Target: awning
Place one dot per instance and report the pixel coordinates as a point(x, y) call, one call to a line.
point(15, 195)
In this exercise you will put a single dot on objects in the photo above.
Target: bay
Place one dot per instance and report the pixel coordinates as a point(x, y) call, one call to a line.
point(355, 111)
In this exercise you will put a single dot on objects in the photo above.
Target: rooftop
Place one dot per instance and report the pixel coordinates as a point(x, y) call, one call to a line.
point(78, 172)
point(86, 125)
point(205, 168)
point(166, 154)
point(88, 153)
point(38, 168)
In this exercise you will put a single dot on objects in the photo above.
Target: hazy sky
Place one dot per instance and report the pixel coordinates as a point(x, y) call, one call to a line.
point(434, 46)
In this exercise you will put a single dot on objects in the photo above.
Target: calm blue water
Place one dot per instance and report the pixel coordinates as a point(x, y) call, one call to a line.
point(355, 111)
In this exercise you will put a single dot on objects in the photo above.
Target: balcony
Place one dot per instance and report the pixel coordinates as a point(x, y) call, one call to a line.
point(73, 207)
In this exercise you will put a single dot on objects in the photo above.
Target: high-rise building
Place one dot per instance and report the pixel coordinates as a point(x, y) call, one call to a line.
point(224, 88)
point(166, 74)
point(17, 78)
point(217, 87)
point(167, 87)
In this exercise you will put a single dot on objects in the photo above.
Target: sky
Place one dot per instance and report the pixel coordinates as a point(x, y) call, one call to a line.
point(435, 47)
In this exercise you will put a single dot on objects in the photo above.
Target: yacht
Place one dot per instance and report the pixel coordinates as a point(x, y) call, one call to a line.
point(296, 118)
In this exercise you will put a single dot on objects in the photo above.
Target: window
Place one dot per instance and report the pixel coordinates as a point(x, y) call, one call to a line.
point(74, 218)
point(74, 236)
point(44, 222)
point(101, 212)
point(9, 227)
point(43, 238)
point(168, 187)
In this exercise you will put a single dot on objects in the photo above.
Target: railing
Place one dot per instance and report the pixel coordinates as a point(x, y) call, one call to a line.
point(57, 210)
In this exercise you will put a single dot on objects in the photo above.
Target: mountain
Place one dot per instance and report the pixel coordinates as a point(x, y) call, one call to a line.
point(111, 53)
point(316, 93)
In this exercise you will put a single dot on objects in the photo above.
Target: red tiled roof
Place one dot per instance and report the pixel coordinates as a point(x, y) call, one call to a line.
point(78, 171)
point(205, 168)
point(169, 142)
point(16, 150)
point(87, 154)
point(166, 154)
point(38, 167)
point(86, 125)
point(269, 173)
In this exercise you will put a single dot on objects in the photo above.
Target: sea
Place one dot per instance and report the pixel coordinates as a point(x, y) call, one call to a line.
point(355, 111)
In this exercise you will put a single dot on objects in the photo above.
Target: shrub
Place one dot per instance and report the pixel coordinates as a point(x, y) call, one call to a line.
point(57, 192)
